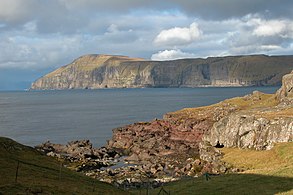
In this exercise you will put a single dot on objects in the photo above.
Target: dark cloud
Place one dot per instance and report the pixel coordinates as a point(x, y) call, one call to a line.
point(71, 16)
point(223, 9)
point(215, 9)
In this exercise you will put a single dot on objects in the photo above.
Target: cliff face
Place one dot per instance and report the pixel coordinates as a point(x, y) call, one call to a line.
point(258, 128)
point(101, 71)
point(285, 94)
point(248, 130)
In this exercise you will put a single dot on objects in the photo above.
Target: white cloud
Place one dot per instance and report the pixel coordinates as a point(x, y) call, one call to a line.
point(178, 36)
point(270, 47)
point(255, 34)
point(171, 55)
point(270, 28)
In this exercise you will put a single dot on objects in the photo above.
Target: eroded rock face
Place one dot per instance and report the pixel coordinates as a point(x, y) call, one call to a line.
point(285, 94)
point(108, 71)
point(247, 130)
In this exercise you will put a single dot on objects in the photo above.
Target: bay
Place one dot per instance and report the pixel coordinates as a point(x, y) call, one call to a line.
point(32, 117)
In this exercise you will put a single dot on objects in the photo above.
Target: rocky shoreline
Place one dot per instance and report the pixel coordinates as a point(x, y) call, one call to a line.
point(184, 143)
point(143, 155)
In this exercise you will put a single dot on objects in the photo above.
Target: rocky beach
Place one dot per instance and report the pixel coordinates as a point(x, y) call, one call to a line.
point(184, 143)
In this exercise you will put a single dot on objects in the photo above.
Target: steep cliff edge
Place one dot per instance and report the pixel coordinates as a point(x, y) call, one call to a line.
point(102, 71)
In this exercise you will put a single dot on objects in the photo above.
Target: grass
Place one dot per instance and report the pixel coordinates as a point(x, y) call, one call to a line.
point(89, 63)
point(268, 172)
point(277, 161)
point(238, 103)
point(39, 174)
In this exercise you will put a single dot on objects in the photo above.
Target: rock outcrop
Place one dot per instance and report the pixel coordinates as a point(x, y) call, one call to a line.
point(108, 71)
point(81, 154)
point(252, 130)
point(258, 127)
point(285, 94)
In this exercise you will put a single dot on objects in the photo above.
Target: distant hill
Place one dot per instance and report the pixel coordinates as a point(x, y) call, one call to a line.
point(109, 71)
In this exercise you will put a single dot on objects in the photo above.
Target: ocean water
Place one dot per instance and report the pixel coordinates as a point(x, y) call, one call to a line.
point(33, 117)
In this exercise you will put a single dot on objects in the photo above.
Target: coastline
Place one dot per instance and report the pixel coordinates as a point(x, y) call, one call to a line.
point(185, 143)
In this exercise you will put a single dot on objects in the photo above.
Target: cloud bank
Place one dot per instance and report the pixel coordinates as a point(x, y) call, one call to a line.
point(38, 34)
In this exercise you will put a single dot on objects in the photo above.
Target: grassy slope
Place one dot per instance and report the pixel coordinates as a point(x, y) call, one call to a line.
point(88, 63)
point(39, 173)
point(277, 161)
point(270, 172)
point(239, 103)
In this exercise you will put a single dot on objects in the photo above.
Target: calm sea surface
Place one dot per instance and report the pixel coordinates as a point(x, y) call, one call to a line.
point(32, 117)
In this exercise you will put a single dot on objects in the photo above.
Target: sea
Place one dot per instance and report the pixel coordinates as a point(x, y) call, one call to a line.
point(60, 116)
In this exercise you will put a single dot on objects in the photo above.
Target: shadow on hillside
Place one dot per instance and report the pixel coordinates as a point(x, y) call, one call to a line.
point(232, 184)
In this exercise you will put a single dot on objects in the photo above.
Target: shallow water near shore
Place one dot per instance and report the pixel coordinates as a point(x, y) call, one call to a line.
point(33, 117)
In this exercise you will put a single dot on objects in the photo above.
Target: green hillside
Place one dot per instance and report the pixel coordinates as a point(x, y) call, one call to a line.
point(39, 174)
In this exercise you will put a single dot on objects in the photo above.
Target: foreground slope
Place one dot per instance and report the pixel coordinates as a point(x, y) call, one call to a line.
point(39, 174)
point(103, 71)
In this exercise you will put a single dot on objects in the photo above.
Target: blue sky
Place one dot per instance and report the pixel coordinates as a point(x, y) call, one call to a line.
point(37, 36)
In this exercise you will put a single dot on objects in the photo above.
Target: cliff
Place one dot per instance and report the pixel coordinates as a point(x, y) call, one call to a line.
point(258, 127)
point(103, 71)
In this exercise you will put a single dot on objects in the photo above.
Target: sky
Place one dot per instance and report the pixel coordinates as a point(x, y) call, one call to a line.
point(38, 36)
